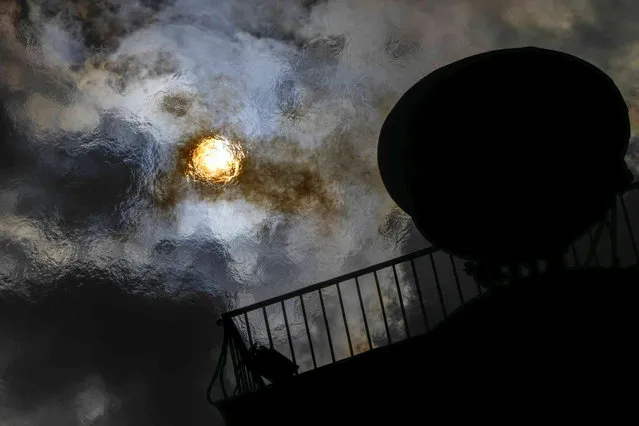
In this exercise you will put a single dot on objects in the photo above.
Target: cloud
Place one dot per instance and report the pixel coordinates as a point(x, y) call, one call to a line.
point(47, 115)
point(88, 352)
point(99, 96)
point(549, 15)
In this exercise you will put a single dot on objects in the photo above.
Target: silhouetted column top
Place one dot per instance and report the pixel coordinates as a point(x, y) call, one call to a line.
point(507, 154)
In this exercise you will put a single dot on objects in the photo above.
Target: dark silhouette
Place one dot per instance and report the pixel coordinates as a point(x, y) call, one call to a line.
point(507, 155)
point(504, 159)
point(270, 364)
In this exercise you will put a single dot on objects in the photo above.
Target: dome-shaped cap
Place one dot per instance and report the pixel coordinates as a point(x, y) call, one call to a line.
point(506, 154)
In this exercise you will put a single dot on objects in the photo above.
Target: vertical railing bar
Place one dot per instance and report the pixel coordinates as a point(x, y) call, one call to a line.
point(361, 305)
point(268, 328)
point(241, 380)
point(249, 377)
point(288, 332)
point(456, 276)
point(241, 363)
point(243, 371)
point(245, 375)
point(341, 305)
point(239, 373)
point(626, 218)
point(419, 294)
point(226, 373)
point(438, 285)
point(401, 301)
point(249, 382)
point(235, 367)
point(308, 331)
point(248, 329)
point(381, 302)
point(246, 372)
point(328, 330)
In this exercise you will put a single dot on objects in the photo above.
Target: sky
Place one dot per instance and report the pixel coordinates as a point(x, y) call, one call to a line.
point(102, 240)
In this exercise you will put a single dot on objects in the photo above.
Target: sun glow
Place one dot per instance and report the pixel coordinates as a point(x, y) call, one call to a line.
point(215, 160)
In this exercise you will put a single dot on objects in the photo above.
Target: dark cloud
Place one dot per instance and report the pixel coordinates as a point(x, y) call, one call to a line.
point(133, 343)
point(81, 182)
point(102, 24)
point(194, 264)
point(279, 271)
point(9, 150)
point(151, 356)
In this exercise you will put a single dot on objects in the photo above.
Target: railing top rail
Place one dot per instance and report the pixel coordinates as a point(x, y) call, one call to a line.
point(314, 287)
point(330, 282)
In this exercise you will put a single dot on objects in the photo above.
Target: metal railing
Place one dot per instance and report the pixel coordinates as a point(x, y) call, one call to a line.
point(385, 303)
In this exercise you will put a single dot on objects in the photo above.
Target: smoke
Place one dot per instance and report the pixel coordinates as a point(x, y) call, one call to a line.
point(98, 97)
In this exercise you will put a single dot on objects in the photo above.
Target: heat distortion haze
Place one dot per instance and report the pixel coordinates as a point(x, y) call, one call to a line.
point(164, 161)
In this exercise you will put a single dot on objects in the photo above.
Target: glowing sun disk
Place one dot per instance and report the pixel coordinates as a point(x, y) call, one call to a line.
point(216, 160)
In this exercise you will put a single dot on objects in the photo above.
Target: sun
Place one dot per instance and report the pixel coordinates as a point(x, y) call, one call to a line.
point(215, 159)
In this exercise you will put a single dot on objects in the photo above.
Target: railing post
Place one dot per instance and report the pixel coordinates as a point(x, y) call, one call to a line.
point(457, 282)
point(268, 328)
point(288, 333)
point(381, 302)
point(239, 383)
point(401, 301)
point(419, 294)
point(341, 305)
point(308, 331)
point(248, 329)
point(328, 330)
point(438, 285)
point(361, 305)
point(221, 365)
